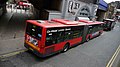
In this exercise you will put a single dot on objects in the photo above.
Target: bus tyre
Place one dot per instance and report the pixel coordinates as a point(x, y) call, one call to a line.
point(88, 39)
point(65, 48)
point(112, 27)
point(100, 33)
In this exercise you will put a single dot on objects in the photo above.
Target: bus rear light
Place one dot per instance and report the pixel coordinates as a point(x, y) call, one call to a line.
point(42, 46)
point(27, 38)
point(32, 46)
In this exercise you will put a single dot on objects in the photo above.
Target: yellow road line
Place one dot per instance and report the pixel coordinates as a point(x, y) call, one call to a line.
point(115, 56)
point(12, 53)
point(110, 63)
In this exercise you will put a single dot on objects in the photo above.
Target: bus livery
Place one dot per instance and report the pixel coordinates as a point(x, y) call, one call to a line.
point(95, 28)
point(45, 38)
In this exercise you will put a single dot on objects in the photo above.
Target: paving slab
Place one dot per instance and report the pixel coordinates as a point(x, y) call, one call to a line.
point(11, 45)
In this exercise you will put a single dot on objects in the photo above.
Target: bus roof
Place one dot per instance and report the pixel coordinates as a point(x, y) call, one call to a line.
point(67, 22)
point(52, 23)
point(91, 22)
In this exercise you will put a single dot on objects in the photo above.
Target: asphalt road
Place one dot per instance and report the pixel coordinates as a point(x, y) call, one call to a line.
point(95, 53)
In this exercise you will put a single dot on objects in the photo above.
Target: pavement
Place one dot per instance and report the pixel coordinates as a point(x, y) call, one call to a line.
point(8, 42)
point(11, 45)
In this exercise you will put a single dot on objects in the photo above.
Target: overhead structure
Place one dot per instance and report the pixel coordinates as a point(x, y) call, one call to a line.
point(3, 1)
point(39, 4)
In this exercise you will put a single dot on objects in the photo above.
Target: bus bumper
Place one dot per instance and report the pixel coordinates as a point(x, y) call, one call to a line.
point(34, 51)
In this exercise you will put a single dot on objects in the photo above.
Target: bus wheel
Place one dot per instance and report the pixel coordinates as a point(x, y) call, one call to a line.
point(100, 33)
point(65, 48)
point(88, 39)
point(110, 29)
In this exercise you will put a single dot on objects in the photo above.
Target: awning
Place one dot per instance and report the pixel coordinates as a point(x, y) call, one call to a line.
point(102, 5)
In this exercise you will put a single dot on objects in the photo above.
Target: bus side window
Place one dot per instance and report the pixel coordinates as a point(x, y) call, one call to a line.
point(67, 35)
point(54, 38)
point(90, 29)
point(60, 37)
point(101, 26)
point(95, 28)
point(76, 33)
point(49, 41)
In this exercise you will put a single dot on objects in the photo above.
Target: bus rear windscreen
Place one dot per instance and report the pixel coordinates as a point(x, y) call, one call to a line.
point(34, 31)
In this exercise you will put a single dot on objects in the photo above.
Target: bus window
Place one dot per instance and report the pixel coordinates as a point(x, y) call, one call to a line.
point(58, 35)
point(95, 28)
point(77, 31)
point(90, 29)
point(76, 34)
point(34, 31)
point(51, 38)
point(101, 27)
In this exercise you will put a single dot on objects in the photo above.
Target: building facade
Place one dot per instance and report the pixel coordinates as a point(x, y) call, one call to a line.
point(77, 8)
point(102, 9)
point(110, 12)
point(66, 9)
point(3, 7)
point(113, 10)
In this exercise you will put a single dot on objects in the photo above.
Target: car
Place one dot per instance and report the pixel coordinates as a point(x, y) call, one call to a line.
point(23, 5)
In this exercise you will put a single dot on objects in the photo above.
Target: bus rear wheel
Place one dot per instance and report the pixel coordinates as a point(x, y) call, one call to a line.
point(65, 48)
point(100, 33)
point(88, 39)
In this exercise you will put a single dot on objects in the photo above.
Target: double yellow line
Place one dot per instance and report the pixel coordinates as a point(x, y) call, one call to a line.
point(12, 53)
point(110, 63)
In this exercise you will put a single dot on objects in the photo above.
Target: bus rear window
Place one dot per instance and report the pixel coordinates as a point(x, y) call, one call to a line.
point(34, 31)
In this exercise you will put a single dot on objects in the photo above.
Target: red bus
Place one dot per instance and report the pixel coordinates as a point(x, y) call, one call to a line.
point(45, 38)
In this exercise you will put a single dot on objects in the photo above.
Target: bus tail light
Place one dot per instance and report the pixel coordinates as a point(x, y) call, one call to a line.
point(27, 38)
point(42, 46)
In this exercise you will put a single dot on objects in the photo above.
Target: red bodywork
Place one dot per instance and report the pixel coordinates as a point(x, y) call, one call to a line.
point(56, 23)
point(41, 48)
point(92, 23)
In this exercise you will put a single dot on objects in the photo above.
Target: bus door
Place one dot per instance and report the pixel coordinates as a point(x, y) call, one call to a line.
point(85, 32)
